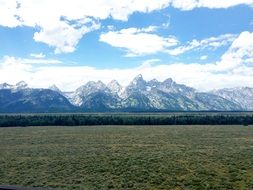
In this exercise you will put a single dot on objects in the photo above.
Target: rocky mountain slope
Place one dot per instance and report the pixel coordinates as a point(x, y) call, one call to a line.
point(20, 98)
point(242, 96)
point(139, 95)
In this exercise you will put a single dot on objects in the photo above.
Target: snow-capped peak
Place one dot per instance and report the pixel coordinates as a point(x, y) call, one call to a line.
point(154, 80)
point(138, 78)
point(168, 81)
point(138, 81)
point(91, 87)
point(153, 83)
point(21, 85)
point(98, 84)
point(114, 86)
point(145, 95)
point(241, 95)
point(6, 86)
point(54, 88)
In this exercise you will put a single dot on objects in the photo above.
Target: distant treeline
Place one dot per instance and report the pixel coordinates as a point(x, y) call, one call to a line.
point(121, 119)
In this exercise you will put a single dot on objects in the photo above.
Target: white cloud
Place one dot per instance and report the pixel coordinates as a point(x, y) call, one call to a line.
point(240, 52)
point(24, 61)
point(235, 68)
point(61, 24)
point(202, 77)
point(39, 61)
point(148, 29)
point(111, 27)
point(211, 4)
point(211, 43)
point(137, 42)
point(38, 55)
point(8, 13)
point(204, 57)
point(64, 37)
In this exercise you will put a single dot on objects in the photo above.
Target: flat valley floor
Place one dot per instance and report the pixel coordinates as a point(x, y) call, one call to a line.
point(128, 157)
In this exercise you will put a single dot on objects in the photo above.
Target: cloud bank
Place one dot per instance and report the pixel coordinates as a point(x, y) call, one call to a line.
point(138, 42)
point(235, 68)
point(141, 42)
point(61, 24)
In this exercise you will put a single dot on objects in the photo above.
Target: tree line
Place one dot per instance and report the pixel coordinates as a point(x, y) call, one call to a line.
point(114, 119)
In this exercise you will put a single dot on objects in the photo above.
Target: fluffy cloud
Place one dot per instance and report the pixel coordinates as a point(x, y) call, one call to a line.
point(38, 55)
point(202, 77)
point(240, 52)
point(235, 68)
point(63, 37)
point(22, 69)
point(138, 42)
point(211, 4)
point(8, 17)
point(204, 57)
point(61, 24)
point(211, 43)
point(39, 59)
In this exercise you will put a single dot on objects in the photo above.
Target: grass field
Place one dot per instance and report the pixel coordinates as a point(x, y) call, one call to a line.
point(128, 157)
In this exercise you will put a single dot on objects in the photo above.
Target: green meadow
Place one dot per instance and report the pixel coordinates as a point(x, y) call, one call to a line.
point(128, 157)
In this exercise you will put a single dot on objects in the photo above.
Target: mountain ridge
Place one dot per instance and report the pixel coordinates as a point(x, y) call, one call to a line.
point(139, 95)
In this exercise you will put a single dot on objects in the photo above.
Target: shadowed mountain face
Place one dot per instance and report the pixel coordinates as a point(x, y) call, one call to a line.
point(33, 100)
point(139, 95)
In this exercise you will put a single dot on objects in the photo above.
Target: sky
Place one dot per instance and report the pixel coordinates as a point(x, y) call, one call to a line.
point(205, 44)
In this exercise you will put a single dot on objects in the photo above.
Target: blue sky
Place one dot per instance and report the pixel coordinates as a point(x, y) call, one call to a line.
point(204, 44)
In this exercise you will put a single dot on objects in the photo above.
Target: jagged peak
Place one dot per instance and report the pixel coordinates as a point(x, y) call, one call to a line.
point(138, 83)
point(168, 81)
point(238, 88)
point(54, 88)
point(153, 83)
point(5, 86)
point(21, 85)
point(113, 82)
point(89, 83)
point(100, 83)
point(91, 86)
point(137, 80)
point(148, 94)
point(114, 86)
point(93, 83)
point(138, 77)
point(154, 80)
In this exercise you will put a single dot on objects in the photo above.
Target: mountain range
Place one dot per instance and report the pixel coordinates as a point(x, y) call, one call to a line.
point(139, 95)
